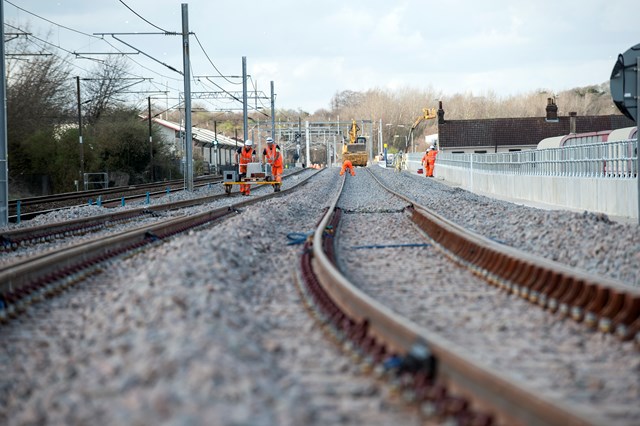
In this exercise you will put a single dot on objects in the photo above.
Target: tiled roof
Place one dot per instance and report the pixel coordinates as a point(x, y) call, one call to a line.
point(198, 134)
point(520, 131)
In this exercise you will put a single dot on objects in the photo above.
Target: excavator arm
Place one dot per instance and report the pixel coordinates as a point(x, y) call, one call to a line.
point(427, 114)
point(353, 132)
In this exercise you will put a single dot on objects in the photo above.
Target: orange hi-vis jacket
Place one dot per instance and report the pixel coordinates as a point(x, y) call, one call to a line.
point(431, 157)
point(347, 165)
point(431, 162)
point(246, 156)
point(273, 156)
point(423, 161)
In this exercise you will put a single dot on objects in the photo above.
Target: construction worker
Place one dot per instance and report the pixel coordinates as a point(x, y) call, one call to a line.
point(347, 165)
point(244, 156)
point(431, 160)
point(271, 155)
point(424, 162)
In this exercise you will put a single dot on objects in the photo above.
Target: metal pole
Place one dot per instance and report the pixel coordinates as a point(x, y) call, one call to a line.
point(306, 127)
point(273, 112)
point(380, 137)
point(4, 167)
point(244, 98)
point(188, 167)
point(334, 156)
point(80, 133)
point(218, 159)
point(326, 147)
point(150, 143)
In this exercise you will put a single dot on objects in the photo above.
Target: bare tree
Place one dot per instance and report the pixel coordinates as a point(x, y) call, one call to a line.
point(104, 86)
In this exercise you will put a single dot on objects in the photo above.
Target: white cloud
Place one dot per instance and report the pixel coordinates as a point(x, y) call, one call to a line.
point(312, 50)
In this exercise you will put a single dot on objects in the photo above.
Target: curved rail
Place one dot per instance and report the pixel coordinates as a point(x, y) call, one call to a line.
point(430, 368)
point(598, 302)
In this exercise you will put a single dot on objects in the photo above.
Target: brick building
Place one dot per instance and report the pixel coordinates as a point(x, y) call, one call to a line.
point(517, 134)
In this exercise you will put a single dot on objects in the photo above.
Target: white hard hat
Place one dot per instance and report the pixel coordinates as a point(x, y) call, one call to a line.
point(248, 142)
point(269, 139)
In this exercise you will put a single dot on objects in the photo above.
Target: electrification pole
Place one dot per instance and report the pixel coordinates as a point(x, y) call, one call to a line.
point(80, 133)
point(150, 143)
point(273, 113)
point(188, 166)
point(308, 155)
point(244, 99)
point(4, 168)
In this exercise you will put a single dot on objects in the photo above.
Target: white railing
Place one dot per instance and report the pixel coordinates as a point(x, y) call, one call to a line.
point(599, 160)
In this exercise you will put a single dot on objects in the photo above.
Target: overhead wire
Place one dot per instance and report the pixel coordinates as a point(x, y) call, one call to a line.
point(77, 55)
point(49, 21)
point(84, 34)
point(145, 20)
point(221, 75)
point(211, 62)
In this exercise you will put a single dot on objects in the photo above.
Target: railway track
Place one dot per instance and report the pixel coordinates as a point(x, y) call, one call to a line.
point(36, 277)
point(13, 239)
point(432, 338)
point(206, 326)
point(111, 197)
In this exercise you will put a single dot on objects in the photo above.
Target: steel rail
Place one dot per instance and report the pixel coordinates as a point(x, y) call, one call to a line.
point(20, 237)
point(430, 367)
point(598, 302)
point(32, 207)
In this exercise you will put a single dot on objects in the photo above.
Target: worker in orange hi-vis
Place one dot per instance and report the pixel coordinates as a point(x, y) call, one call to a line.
point(271, 155)
point(347, 165)
point(244, 156)
point(431, 160)
point(424, 162)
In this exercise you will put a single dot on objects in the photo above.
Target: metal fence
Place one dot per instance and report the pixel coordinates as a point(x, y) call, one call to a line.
point(601, 160)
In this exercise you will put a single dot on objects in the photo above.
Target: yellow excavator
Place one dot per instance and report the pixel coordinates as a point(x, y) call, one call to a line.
point(427, 114)
point(356, 149)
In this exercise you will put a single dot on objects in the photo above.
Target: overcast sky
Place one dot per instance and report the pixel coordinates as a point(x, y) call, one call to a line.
point(313, 49)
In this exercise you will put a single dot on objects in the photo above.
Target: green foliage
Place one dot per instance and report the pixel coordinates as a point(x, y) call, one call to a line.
point(65, 167)
point(121, 144)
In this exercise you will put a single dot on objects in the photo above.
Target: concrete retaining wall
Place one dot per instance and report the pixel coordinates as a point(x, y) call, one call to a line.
point(614, 197)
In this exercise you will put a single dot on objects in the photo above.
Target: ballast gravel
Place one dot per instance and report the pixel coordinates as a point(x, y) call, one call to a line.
point(553, 356)
point(592, 242)
point(209, 327)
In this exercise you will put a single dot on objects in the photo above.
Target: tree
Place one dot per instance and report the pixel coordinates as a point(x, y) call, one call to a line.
point(346, 99)
point(103, 88)
point(39, 100)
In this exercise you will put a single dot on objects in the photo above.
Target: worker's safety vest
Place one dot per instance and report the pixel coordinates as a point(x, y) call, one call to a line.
point(246, 155)
point(273, 156)
point(245, 158)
